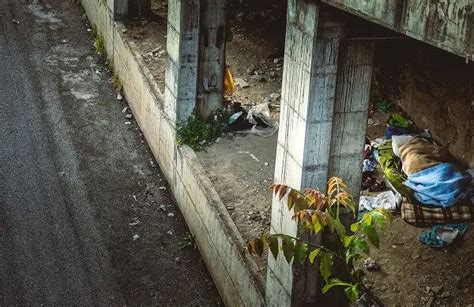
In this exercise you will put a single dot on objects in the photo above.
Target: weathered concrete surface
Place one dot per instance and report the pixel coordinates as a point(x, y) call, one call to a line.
point(324, 108)
point(222, 247)
point(435, 88)
point(182, 61)
point(446, 24)
point(212, 56)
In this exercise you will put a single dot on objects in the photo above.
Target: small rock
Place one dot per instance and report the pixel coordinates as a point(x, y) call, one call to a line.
point(124, 110)
point(162, 207)
point(15, 21)
point(89, 30)
point(134, 222)
point(430, 302)
point(415, 256)
point(218, 140)
point(64, 41)
point(62, 174)
point(241, 82)
point(267, 164)
point(371, 265)
point(129, 116)
point(124, 31)
point(275, 96)
point(171, 214)
point(445, 294)
point(162, 188)
point(128, 123)
point(135, 237)
point(276, 60)
point(170, 232)
point(177, 259)
point(119, 97)
point(230, 207)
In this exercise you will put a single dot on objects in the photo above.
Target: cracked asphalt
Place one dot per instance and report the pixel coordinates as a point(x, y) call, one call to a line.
point(85, 216)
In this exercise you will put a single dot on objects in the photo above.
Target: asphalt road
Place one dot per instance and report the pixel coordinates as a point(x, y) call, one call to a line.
point(84, 215)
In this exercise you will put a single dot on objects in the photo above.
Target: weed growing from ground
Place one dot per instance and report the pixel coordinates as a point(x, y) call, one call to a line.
point(198, 133)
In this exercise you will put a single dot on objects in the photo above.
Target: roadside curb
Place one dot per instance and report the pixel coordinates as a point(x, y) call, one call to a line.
point(221, 245)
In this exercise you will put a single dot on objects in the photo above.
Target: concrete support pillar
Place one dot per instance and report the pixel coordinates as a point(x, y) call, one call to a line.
point(123, 9)
point(182, 45)
point(325, 95)
point(119, 8)
point(212, 56)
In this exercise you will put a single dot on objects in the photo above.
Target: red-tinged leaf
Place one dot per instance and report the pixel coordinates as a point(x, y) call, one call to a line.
point(280, 190)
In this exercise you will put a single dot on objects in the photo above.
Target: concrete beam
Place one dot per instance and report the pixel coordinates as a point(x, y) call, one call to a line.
point(182, 45)
point(325, 95)
point(212, 56)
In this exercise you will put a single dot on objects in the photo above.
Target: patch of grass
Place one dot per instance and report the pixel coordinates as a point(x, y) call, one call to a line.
point(198, 133)
point(94, 32)
point(117, 83)
point(100, 46)
point(99, 42)
point(187, 241)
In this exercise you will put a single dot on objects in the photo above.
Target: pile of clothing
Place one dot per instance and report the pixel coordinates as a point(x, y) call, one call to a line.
point(430, 187)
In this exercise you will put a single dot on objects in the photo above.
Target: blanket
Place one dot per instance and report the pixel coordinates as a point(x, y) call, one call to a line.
point(419, 154)
point(440, 185)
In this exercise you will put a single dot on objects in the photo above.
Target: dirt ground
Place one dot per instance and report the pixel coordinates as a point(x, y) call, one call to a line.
point(242, 167)
point(145, 235)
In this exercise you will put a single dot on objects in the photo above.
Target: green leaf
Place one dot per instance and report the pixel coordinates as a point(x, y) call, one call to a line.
point(361, 245)
point(355, 227)
point(273, 246)
point(352, 293)
point(288, 247)
point(330, 222)
point(300, 253)
point(325, 265)
point(340, 229)
point(347, 240)
point(313, 255)
point(372, 235)
point(333, 283)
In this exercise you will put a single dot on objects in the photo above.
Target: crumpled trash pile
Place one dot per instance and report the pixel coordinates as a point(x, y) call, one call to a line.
point(427, 184)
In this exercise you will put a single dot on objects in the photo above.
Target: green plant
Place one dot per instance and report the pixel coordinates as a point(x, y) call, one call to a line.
point(94, 32)
point(99, 42)
point(198, 133)
point(100, 46)
point(117, 83)
point(319, 213)
point(384, 105)
point(186, 241)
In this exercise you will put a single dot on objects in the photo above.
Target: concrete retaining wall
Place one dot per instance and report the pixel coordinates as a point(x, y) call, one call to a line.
point(222, 247)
